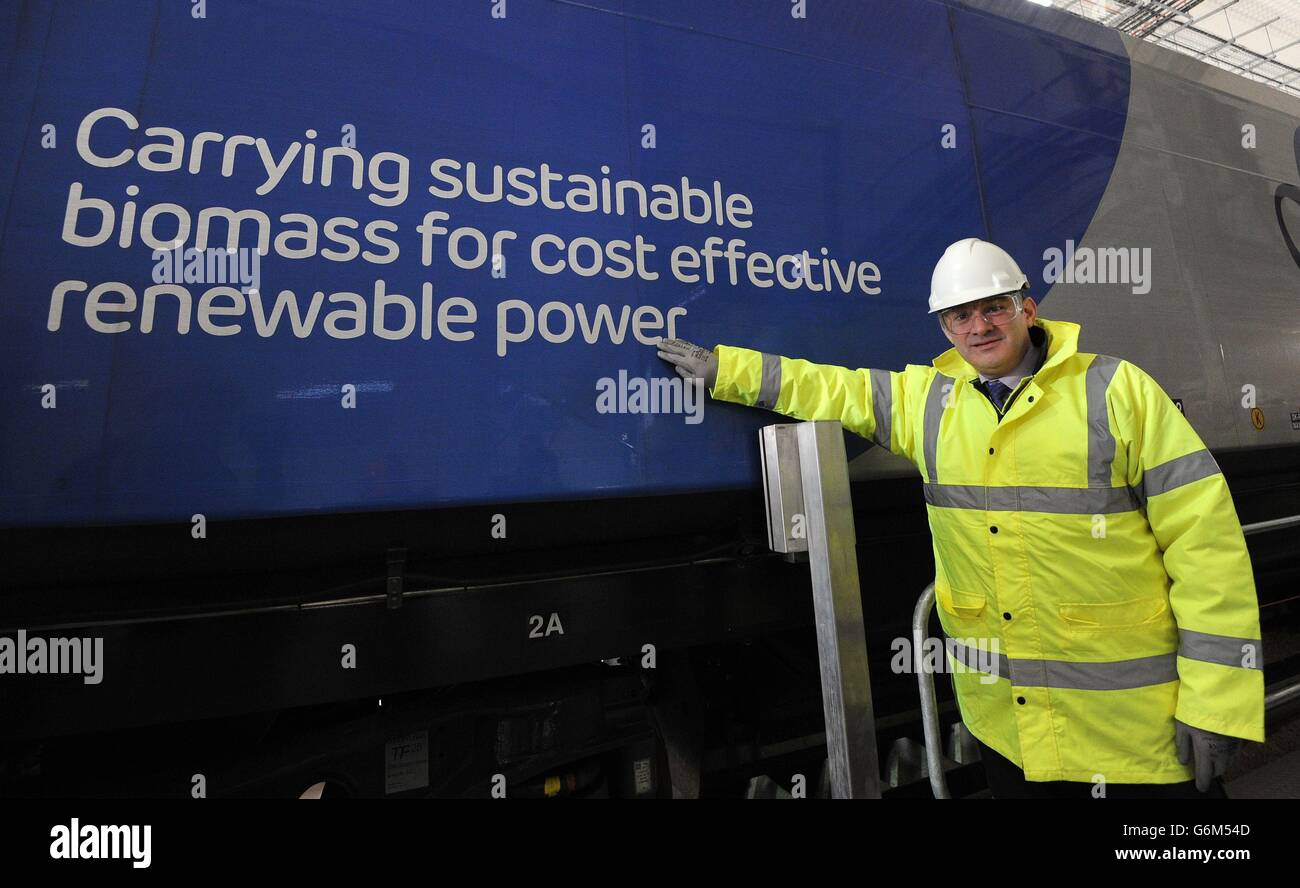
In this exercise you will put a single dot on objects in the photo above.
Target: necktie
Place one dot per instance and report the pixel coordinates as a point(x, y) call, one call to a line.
point(998, 392)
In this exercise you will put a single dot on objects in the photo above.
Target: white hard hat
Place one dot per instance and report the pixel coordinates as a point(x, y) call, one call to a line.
point(973, 269)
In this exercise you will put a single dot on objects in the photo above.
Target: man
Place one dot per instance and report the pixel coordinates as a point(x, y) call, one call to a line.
point(1079, 525)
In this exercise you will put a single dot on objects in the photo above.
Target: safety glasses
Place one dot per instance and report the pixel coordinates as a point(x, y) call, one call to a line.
point(996, 310)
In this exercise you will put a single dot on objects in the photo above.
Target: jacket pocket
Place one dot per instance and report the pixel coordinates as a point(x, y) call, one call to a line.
point(965, 605)
point(1150, 610)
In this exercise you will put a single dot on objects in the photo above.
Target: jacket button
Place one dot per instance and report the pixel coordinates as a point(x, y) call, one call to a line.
point(1031, 397)
point(1006, 616)
point(990, 451)
point(993, 529)
point(1020, 700)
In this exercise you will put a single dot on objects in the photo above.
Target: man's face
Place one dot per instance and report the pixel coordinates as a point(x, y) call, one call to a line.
point(993, 350)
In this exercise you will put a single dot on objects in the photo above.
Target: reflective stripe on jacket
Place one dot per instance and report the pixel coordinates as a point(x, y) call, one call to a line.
point(1088, 556)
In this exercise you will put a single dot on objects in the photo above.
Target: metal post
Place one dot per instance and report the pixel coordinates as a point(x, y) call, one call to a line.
point(816, 476)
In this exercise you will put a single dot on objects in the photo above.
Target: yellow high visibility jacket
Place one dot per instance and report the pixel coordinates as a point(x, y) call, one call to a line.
point(1091, 572)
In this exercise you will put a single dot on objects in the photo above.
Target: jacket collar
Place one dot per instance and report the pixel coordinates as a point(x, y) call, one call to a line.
point(1062, 341)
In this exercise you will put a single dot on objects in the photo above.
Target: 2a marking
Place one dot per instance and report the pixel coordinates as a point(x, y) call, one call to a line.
point(552, 625)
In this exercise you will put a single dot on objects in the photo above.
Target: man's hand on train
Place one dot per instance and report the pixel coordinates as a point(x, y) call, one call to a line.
point(1211, 752)
point(690, 360)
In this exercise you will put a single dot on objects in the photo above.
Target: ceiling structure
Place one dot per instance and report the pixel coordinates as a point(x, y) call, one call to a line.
point(1259, 39)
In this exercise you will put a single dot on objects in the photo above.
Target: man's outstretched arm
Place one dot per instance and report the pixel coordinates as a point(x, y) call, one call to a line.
point(867, 402)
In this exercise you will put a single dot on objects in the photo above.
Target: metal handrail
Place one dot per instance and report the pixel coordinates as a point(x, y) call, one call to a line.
point(1275, 524)
point(929, 702)
point(1281, 693)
